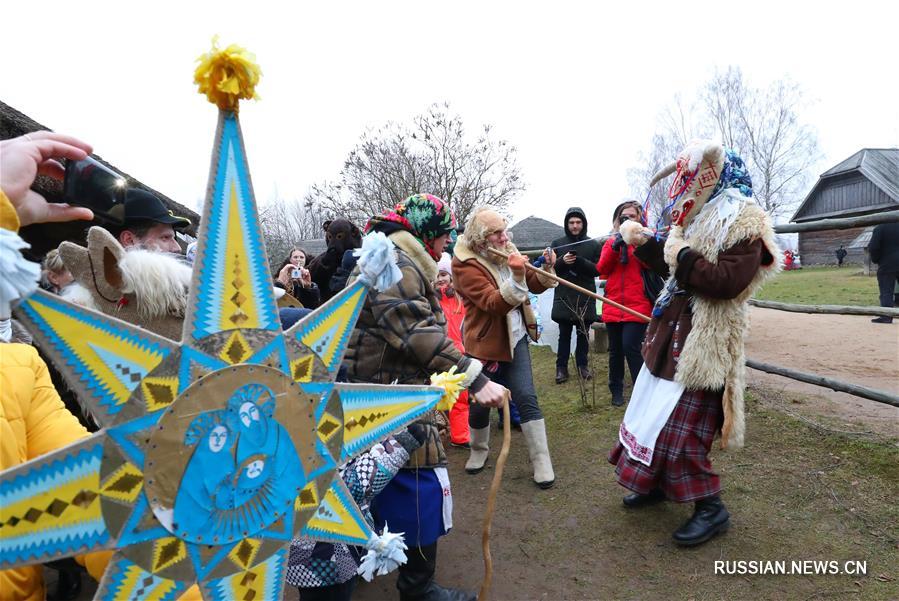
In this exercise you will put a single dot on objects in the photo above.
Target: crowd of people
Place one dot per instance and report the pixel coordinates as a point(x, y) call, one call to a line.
point(464, 302)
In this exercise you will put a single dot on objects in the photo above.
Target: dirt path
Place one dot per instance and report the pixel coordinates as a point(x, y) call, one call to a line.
point(845, 347)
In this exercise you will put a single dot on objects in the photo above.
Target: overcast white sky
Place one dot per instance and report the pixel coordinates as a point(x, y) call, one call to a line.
point(577, 87)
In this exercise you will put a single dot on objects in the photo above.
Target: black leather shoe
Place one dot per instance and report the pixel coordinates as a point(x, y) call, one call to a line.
point(585, 373)
point(617, 399)
point(709, 518)
point(636, 500)
point(877, 320)
point(561, 375)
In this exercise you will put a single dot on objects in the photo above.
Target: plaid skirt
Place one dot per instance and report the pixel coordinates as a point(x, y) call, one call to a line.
point(680, 462)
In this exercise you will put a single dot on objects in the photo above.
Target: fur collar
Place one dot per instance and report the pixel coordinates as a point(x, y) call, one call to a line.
point(410, 245)
point(464, 252)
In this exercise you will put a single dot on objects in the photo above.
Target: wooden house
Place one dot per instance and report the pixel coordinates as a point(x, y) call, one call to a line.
point(865, 183)
point(46, 236)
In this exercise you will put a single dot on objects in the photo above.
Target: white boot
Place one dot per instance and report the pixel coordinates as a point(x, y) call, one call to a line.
point(535, 435)
point(480, 448)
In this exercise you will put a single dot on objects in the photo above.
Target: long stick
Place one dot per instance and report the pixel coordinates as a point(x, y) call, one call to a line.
point(491, 502)
point(564, 282)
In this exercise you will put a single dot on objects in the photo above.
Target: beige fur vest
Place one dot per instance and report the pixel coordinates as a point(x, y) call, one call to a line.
point(713, 352)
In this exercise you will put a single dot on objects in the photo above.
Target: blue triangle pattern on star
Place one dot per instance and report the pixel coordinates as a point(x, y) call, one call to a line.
point(327, 331)
point(216, 242)
point(128, 372)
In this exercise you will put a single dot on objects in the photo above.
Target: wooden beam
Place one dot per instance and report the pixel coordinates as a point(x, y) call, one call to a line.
point(880, 396)
point(838, 224)
point(580, 289)
point(830, 309)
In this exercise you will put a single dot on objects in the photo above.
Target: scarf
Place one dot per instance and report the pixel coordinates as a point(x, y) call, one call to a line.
point(423, 215)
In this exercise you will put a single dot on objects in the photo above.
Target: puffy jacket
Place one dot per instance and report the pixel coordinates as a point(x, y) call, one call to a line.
point(624, 284)
point(33, 421)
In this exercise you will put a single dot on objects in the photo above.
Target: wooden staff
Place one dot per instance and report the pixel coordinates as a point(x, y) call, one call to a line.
point(491, 501)
point(564, 282)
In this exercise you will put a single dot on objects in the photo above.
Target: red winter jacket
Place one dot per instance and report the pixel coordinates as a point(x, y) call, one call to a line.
point(624, 284)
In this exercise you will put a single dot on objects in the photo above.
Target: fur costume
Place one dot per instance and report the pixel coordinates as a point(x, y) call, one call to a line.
point(142, 287)
point(340, 235)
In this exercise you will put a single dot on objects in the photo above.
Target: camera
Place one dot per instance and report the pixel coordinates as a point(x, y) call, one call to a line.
point(296, 273)
point(622, 219)
point(91, 184)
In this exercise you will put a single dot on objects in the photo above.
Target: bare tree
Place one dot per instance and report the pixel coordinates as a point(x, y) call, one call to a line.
point(761, 124)
point(285, 223)
point(432, 154)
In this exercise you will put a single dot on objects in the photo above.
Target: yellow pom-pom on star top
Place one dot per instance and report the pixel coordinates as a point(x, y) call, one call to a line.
point(227, 76)
point(451, 383)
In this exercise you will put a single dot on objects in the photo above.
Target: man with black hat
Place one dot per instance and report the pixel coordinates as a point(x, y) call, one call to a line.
point(149, 224)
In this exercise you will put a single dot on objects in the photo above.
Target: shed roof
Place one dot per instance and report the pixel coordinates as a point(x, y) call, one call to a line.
point(45, 236)
point(879, 165)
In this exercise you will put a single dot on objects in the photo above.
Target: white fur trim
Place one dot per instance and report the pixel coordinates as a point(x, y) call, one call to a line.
point(673, 246)
point(474, 370)
point(77, 294)
point(159, 281)
point(410, 245)
point(545, 281)
point(633, 233)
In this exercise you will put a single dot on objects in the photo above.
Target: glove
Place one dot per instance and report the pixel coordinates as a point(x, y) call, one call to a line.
point(633, 233)
point(418, 431)
point(674, 245)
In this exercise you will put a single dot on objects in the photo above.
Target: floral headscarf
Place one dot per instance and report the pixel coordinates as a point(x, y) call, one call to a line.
point(423, 215)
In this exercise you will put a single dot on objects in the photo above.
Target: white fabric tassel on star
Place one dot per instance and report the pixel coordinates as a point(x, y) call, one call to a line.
point(385, 554)
point(20, 276)
point(377, 262)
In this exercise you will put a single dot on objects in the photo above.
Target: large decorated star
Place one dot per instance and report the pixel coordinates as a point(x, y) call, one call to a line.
point(216, 450)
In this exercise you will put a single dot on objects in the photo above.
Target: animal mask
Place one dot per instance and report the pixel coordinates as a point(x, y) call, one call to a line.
point(697, 170)
point(142, 287)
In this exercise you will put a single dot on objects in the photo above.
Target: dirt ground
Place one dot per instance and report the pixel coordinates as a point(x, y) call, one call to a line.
point(818, 480)
point(845, 347)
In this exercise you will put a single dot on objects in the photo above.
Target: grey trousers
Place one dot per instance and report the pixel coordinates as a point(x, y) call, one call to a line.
point(517, 377)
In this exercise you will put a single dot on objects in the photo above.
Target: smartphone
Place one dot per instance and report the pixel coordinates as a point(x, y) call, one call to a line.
point(91, 184)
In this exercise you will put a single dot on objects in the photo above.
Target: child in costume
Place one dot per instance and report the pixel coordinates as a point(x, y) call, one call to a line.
point(401, 337)
point(454, 311)
point(720, 249)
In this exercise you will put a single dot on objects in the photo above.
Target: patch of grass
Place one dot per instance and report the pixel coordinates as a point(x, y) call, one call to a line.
point(822, 286)
point(795, 493)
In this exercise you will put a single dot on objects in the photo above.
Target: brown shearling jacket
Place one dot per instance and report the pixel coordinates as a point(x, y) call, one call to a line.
point(488, 303)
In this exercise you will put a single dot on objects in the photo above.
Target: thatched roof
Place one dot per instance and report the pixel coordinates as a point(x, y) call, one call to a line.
point(46, 236)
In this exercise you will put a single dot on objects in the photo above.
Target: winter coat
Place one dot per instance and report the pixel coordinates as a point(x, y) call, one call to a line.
point(624, 283)
point(310, 297)
point(884, 247)
point(489, 302)
point(568, 304)
point(33, 421)
point(401, 337)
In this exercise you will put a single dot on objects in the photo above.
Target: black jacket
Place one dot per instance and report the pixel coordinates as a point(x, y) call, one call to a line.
point(582, 272)
point(884, 247)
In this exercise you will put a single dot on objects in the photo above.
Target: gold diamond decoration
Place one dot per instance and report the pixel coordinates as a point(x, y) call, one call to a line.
point(244, 552)
point(167, 552)
point(327, 426)
point(159, 393)
point(307, 499)
point(124, 484)
point(302, 368)
point(236, 350)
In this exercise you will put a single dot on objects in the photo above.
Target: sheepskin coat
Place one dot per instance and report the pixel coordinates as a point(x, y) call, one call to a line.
point(489, 301)
point(698, 339)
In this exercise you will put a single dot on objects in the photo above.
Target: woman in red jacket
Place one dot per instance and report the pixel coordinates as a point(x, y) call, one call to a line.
point(624, 285)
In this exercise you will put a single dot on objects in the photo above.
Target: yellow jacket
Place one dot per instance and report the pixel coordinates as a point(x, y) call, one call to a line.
point(33, 421)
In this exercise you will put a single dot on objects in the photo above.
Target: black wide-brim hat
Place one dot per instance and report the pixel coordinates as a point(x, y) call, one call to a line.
point(141, 205)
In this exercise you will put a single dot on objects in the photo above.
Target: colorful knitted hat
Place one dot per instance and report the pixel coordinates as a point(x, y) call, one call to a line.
point(423, 215)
